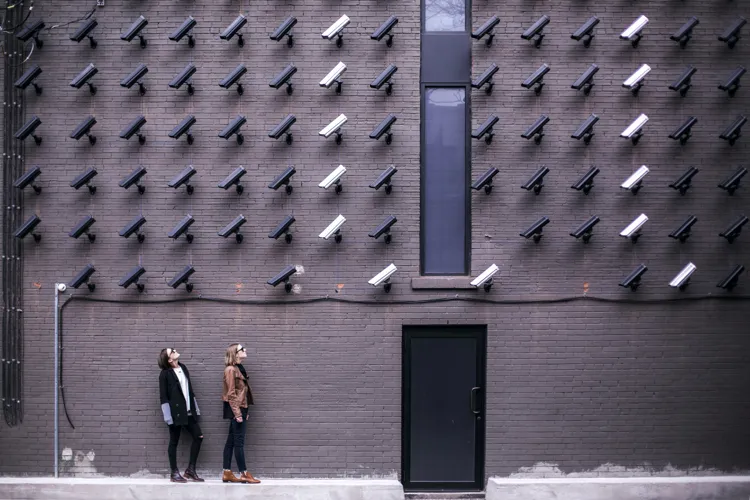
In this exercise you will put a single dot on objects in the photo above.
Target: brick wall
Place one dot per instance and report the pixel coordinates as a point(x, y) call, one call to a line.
point(579, 383)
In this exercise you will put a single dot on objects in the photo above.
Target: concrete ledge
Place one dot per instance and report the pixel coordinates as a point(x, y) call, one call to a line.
point(621, 488)
point(160, 489)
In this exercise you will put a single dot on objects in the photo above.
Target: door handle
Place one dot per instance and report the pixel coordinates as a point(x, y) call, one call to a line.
point(474, 391)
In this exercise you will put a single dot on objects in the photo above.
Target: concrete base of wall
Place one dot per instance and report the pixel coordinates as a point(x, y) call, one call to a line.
point(632, 488)
point(159, 489)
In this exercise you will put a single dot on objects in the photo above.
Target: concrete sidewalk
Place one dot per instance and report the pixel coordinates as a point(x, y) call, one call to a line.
point(162, 489)
point(621, 488)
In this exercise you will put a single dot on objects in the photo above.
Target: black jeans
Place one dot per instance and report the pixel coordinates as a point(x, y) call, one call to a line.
point(174, 437)
point(236, 441)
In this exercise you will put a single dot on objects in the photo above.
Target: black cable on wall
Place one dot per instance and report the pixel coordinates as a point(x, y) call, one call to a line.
point(13, 151)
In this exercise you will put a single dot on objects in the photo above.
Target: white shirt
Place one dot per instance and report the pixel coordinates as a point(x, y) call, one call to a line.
point(183, 385)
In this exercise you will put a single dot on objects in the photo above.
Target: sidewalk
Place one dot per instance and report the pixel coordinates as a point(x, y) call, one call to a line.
point(48, 488)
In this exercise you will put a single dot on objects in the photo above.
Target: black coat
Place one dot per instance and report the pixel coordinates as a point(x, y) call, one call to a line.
point(173, 405)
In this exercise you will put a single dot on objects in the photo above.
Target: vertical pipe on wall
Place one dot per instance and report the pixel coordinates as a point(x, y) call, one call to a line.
point(57, 371)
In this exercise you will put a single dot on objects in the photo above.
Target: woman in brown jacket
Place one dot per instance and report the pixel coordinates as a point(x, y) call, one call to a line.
point(237, 396)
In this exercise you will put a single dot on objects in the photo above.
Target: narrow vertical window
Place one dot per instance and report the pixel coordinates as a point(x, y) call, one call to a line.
point(444, 15)
point(444, 182)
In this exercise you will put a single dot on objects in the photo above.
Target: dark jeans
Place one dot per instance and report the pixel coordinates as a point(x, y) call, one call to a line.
point(236, 441)
point(174, 437)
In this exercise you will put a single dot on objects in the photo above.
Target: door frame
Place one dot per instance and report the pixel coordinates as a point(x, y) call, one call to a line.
point(441, 330)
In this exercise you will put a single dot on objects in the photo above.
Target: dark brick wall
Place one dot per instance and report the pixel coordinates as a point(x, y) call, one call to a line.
point(579, 383)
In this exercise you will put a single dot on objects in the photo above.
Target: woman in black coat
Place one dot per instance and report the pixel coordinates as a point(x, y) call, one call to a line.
point(180, 410)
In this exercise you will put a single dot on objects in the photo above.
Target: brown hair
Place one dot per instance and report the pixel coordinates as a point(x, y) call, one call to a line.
point(164, 360)
point(230, 357)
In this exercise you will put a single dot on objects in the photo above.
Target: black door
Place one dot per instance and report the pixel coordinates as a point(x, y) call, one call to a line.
point(443, 407)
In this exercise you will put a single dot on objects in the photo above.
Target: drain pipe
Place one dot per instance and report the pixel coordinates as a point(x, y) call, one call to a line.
point(59, 287)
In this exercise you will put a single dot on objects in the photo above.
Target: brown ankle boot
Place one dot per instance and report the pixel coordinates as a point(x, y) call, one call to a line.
point(175, 477)
point(246, 477)
point(229, 477)
point(192, 475)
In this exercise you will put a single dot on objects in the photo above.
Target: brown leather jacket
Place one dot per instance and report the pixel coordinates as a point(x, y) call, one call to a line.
point(237, 390)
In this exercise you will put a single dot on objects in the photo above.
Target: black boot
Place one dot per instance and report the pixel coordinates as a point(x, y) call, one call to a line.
point(192, 475)
point(176, 477)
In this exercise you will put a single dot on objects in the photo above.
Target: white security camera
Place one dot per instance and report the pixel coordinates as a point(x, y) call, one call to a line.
point(634, 130)
point(383, 277)
point(633, 32)
point(334, 128)
point(336, 30)
point(333, 178)
point(634, 228)
point(635, 81)
point(682, 279)
point(485, 279)
point(333, 77)
point(633, 183)
point(333, 228)
point(61, 287)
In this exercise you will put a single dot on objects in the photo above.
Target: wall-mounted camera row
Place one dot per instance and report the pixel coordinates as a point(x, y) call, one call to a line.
point(32, 31)
point(632, 280)
point(633, 33)
point(634, 131)
point(634, 82)
point(183, 277)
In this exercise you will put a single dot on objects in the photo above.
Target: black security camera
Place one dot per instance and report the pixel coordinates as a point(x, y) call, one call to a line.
point(536, 130)
point(28, 178)
point(733, 131)
point(384, 179)
point(586, 80)
point(633, 280)
point(233, 78)
point(183, 128)
point(536, 182)
point(535, 230)
point(486, 30)
point(283, 228)
point(32, 31)
point(134, 128)
point(585, 230)
point(183, 77)
point(83, 227)
point(233, 29)
point(685, 33)
point(28, 78)
point(134, 227)
point(84, 30)
point(682, 84)
point(232, 128)
point(184, 31)
point(536, 31)
point(732, 35)
point(682, 233)
point(486, 129)
point(586, 182)
point(233, 179)
point(233, 228)
point(84, 277)
point(133, 179)
point(284, 30)
point(85, 179)
point(384, 128)
point(385, 30)
point(385, 77)
point(283, 277)
point(586, 31)
point(182, 228)
point(682, 133)
point(731, 84)
point(135, 31)
point(586, 130)
point(135, 77)
point(28, 129)
point(285, 77)
point(733, 231)
point(384, 228)
point(283, 128)
point(83, 78)
point(731, 184)
point(485, 180)
point(536, 79)
point(133, 277)
point(283, 180)
point(28, 228)
point(183, 277)
point(84, 128)
point(183, 178)
point(486, 78)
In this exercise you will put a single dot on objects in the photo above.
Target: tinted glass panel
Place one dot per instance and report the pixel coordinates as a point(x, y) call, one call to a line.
point(444, 190)
point(444, 15)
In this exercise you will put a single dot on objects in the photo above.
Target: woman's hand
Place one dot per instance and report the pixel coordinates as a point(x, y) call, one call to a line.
point(239, 419)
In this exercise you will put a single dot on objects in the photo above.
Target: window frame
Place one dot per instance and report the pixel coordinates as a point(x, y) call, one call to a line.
point(467, 19)
point(467, 173)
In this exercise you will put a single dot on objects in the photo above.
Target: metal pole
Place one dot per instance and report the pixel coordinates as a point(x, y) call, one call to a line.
point(57, 371)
